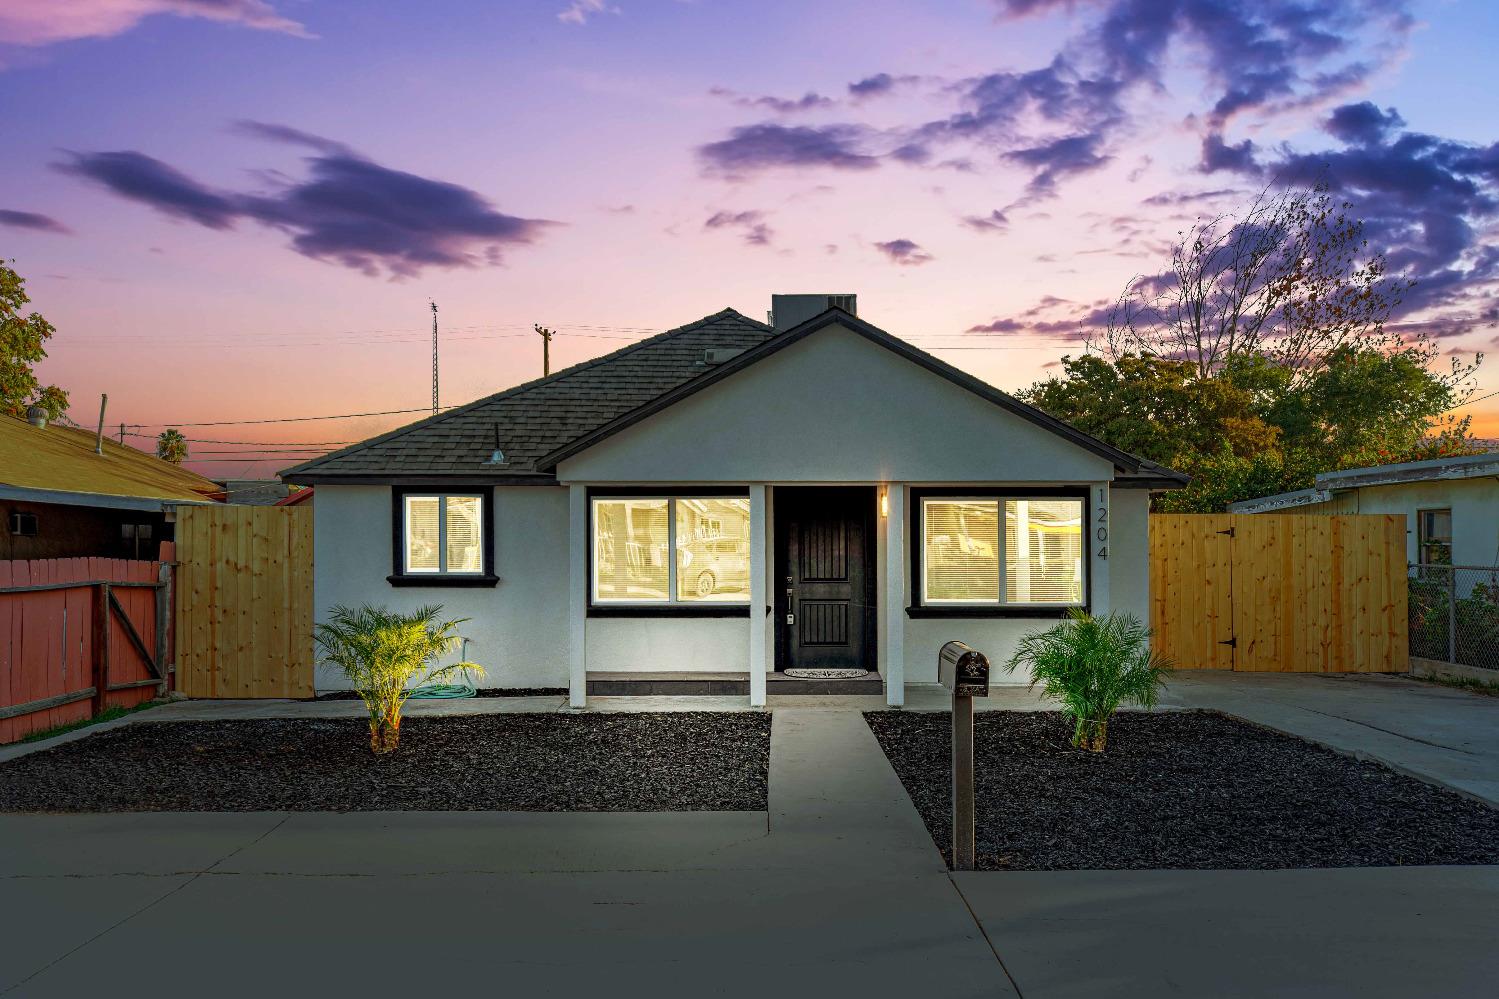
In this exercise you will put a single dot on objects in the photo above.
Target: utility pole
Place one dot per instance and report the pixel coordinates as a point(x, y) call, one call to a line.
point(546, 348)
point(122, 435)
point(99, 439)
point(434, 358)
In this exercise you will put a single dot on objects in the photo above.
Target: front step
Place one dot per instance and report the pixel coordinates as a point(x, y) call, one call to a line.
point(721, 685)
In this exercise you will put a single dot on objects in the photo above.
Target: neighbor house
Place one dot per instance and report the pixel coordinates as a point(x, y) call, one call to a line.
point(1451, 505)
point(66, 492)
point(730, 500)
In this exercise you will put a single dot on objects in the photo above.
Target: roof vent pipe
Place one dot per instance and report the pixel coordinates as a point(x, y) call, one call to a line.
point(36, 416)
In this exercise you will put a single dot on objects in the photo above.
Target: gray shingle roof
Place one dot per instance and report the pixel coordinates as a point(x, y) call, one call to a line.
point(538, 417)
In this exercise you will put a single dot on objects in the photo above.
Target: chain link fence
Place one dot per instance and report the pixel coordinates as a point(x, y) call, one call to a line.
point(1454, 614)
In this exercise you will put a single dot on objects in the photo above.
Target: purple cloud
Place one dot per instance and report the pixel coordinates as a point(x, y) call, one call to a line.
point(1059, 158)
point(995, 221)
point(349, 210)
point(765, 146)
point(1219, 155)
point(141, 178)
point(33, 222)
point(904, 252)
point(44, 22)
point(809, 101)
point(1362, 123)
point(751, 225)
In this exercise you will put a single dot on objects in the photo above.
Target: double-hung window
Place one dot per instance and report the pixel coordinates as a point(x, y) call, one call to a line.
point(441, 536)
point(670, 551)
point(996, 552)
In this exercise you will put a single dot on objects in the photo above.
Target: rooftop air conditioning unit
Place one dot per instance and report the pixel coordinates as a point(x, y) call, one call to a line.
point(718, 355)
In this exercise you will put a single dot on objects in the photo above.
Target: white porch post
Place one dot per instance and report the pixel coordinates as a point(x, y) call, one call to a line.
point(1099, 547)
point(893, 606)
point(577, 596)
point(758, 590)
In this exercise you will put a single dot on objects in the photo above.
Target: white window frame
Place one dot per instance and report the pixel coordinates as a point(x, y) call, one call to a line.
point(673, 599)
point(442, 533)
point(1001, 552)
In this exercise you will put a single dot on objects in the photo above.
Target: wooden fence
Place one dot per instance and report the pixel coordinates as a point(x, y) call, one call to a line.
point(78, 635)
point(1280, 592)
point(244, 601)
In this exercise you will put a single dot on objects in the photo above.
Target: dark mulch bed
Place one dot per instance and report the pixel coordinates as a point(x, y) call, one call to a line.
point(349, 695)
point(678, 761)
point(1183, 790)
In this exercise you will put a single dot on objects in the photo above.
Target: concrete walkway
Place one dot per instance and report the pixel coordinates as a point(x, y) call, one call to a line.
point(836, 889)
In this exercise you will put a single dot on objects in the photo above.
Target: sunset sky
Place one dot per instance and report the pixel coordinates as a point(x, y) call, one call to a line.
point(238, 210)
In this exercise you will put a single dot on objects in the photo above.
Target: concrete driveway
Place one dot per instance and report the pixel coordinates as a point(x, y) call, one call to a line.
point(835, 889)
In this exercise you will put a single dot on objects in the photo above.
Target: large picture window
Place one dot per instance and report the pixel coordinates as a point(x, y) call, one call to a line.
point(670, 550)
point(1000, 551)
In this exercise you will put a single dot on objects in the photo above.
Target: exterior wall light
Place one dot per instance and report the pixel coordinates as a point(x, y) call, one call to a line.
point(885, 502)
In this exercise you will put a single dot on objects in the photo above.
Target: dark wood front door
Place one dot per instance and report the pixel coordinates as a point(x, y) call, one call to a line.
point(825, 577)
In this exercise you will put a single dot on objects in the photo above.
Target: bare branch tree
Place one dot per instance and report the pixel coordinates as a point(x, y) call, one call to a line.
point(1292, 278)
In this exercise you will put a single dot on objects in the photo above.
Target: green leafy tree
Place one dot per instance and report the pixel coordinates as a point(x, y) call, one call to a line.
point(22, 340)
point(171, 446)
point(386, 654)
point(1092, 665)
point(1262, 357)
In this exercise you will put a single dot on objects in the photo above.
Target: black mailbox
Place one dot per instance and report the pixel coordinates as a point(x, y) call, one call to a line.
point(963, 671)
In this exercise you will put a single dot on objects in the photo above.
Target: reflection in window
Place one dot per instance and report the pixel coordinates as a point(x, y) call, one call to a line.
point(1043, 551)
point(1039, 559)
point(444, 534)
point(633, 539)
point(630, 550)
point(960, 550)
point(713, 549)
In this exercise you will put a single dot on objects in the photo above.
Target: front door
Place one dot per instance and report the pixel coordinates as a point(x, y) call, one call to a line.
point(825, 577)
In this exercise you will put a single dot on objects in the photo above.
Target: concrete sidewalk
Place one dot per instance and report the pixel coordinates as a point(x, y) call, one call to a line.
point(837, 889)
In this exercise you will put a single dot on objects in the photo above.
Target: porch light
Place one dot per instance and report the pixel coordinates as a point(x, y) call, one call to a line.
point(884, 502)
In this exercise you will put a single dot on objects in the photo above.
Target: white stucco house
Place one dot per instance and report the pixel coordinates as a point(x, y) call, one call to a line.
point(729, 500)
point(1451, 505)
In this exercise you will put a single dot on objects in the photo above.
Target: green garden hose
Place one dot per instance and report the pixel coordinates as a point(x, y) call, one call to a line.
point(439, 690)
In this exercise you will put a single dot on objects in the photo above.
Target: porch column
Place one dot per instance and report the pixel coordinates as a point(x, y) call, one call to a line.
point(758, 567)
point(1099, 546)
point(893, 604)
point(577, 595)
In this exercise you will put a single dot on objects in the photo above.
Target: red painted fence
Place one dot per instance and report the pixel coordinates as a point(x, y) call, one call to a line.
point(78, 635)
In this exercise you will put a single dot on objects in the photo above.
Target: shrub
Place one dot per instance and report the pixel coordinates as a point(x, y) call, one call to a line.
point(385, 654)
point(1093, 665)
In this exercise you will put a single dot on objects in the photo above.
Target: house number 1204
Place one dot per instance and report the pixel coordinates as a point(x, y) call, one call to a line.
point(1101, 532)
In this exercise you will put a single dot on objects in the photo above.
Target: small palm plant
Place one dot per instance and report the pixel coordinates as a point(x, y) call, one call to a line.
point(1092, 665)
point(385, 654)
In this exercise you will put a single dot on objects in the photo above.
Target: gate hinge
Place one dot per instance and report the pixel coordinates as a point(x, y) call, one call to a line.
point(1232, 643)
point(1229, 532)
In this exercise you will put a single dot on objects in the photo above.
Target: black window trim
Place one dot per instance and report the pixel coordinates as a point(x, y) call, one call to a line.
point(918, 609)
point(398, 575)
point(671, 607)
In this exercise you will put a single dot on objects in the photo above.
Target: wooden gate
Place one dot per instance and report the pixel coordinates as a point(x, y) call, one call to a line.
point(1280, 592)
point(244, 601)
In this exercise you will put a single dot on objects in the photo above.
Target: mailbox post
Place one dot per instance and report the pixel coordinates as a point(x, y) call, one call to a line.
point(965, 673)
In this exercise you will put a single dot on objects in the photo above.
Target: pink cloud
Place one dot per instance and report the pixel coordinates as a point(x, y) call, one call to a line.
point(44, 22)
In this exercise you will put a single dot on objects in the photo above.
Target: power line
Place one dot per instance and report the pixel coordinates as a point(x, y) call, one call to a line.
point(204, 440)
point(1470, 402)
point(287, 419)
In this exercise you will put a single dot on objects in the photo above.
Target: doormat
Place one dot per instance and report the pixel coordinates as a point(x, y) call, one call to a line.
point(828, 674)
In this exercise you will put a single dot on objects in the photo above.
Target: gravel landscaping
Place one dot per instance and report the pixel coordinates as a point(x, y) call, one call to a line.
point(349, 695)
point(679, 761)
point(1177, 790)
